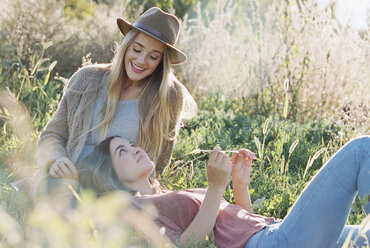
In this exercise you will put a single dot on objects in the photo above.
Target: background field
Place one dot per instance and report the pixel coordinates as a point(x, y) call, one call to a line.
point(282, 78)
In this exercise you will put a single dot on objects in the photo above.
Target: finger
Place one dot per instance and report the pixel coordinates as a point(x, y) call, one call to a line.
point(250, 154)
point(244, 152)
point(234, 158)
point(219, 159)
point(52, 172)
point(240, 158)
point(71, 168)
point(253, 155)
point(57, 171)
point(247, 154)
point(214, 154)
point(64, 170)
point(225, 160)
point(52, 169)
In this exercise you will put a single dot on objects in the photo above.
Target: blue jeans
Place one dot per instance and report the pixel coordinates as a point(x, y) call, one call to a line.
point(318, 217)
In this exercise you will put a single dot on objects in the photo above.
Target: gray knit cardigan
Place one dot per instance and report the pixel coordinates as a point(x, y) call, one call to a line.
point(66, 133)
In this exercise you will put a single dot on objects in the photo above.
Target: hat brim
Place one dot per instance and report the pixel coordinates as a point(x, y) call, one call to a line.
point(177, 57)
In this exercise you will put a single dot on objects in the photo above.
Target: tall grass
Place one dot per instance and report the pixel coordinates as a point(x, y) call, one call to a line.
point(284, 150)
point(246, 48)
point(26, 26)
point(251, 54)
point(271, 78)
point(107, 221)
point(288, 153)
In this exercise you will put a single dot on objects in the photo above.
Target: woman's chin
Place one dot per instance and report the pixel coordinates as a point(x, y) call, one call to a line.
point(146, 166)
point(149, 165)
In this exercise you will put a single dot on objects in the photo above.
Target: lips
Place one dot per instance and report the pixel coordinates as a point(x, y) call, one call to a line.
point(136, 68)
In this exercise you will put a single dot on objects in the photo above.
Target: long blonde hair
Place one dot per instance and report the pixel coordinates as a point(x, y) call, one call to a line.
point(155, 114)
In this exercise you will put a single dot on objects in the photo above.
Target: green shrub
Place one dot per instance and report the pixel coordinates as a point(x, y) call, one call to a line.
point(281, 170)
point(277, 92)
point(26, 27)
point(250, 51)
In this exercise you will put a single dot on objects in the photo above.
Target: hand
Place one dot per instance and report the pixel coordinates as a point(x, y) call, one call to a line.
point(63, 168)
point(242, 167)
point(219, 170)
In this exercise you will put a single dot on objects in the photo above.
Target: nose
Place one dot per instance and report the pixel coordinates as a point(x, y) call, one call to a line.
point(136, 150)
point(141, 59)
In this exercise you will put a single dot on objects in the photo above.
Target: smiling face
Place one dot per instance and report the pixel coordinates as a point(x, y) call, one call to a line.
point(142, 57)
point(130, 163)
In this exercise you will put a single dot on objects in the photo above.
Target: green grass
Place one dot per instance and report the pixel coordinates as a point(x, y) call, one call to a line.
point(279, 174)
point(288, 153)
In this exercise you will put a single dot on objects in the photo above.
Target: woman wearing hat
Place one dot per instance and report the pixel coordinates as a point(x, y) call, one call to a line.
point(136, 96)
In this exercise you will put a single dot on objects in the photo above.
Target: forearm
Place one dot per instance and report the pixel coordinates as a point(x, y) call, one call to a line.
point(50, 148)
point(205, 219)
point(51, 143)
point(242, 197)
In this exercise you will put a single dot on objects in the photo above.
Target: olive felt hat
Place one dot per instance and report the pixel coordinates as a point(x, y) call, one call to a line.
point(160, 25)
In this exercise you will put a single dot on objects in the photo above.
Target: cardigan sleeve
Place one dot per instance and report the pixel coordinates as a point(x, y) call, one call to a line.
point(177, 99)
point(52, 140)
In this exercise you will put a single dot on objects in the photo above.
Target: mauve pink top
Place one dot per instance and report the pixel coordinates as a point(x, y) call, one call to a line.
point(176, 210)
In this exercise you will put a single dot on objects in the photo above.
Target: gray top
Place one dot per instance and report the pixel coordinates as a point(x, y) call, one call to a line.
point(65, 135)
point(125, 122)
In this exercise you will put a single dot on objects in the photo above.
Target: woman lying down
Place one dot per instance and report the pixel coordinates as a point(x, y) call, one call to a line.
point(317, 218)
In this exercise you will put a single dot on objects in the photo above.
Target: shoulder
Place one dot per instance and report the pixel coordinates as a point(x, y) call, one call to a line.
point(177, 91)
point(183, 100)
point(88, 75)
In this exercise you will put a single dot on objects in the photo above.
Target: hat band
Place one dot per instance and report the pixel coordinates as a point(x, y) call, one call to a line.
point(152, 31)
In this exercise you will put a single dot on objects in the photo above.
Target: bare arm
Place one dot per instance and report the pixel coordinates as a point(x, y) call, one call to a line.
point(218, 173)
point(241, 171)
point(242, 198)
point(205, 219)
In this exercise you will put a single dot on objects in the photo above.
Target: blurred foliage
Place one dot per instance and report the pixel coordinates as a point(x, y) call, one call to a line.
point(271, 101)
point(33, 86)
point(288, 153)
point(73, 28)
point(79, 9)
point(179, 7)
point(264, 45)
point(261, 44)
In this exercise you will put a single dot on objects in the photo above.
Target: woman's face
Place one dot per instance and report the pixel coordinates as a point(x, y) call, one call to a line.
point(142, 57)
point(130, 163)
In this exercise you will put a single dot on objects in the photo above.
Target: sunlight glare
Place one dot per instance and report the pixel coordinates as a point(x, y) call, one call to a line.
point(354, 13)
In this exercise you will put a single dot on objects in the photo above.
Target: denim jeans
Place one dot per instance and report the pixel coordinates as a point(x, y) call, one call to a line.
point(318, 217)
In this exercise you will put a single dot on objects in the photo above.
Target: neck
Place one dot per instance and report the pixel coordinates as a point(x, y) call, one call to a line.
point(144, 186)
point(131, 91)
point(128, 83)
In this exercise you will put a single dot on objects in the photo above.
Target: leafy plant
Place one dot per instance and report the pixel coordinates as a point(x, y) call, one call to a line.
point(276, 92)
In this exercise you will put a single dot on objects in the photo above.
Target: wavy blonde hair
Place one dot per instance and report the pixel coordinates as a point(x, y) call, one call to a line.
point(155, 114)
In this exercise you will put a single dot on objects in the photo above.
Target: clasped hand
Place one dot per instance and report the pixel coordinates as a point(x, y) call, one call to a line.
point(63, 168)
point(220, 168)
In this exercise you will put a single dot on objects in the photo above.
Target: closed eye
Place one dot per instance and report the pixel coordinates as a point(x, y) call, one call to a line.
point(136, 50)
